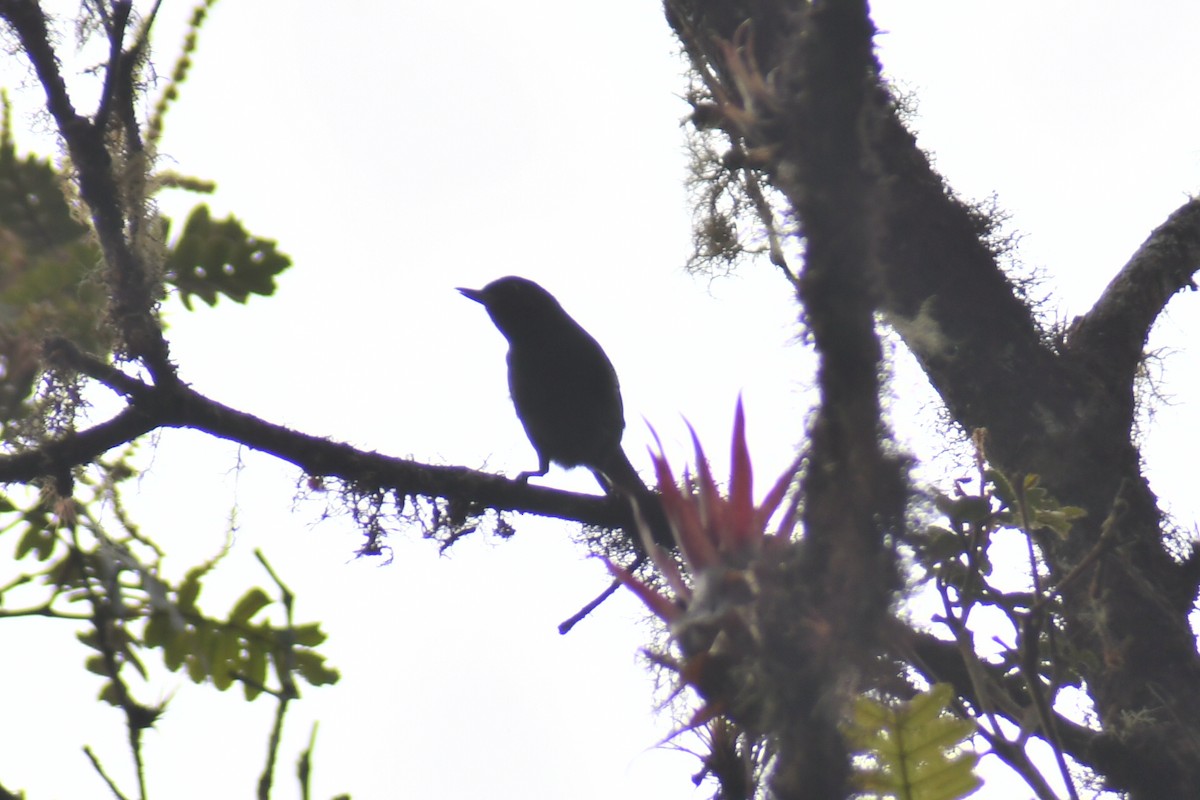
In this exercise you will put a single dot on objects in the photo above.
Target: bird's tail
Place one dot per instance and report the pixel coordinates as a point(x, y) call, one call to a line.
point(619, 477)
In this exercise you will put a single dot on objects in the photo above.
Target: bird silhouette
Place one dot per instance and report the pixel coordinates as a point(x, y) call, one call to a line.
point(563, 386)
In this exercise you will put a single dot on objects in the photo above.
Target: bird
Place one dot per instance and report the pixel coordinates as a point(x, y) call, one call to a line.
point(563, 385)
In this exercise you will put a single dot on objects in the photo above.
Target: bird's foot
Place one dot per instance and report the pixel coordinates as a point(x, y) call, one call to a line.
point(533, 473)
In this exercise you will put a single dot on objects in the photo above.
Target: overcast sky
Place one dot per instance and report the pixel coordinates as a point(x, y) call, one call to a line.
point(399, 150)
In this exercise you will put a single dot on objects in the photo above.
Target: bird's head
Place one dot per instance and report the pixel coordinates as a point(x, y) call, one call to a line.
point(517, 306)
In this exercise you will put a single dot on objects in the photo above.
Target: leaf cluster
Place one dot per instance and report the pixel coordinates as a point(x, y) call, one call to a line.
point(106, 573)
point(1021, 682)
point(220, 257)
point(913, 750)
point(50, 270)
point(84, 262)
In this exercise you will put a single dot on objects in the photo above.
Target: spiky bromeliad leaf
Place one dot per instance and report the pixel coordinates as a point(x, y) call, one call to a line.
point(220, 257)
point(913, 750)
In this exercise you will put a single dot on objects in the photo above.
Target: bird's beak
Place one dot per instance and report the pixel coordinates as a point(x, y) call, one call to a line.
point(472, 294)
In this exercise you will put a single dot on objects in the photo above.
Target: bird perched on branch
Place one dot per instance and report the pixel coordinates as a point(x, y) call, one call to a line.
point(563, 386)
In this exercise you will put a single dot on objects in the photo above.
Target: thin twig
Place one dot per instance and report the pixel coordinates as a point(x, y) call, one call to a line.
point(104, 775)
point(570, 622)
point(115, 28)
point(287, 691)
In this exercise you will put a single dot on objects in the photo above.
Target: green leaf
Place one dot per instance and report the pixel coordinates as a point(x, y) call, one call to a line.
point(928, 706)
point(937, 544)
point(312, 667)
point(309, 635)
point(37, 540)
point(1058, 519)
point(1045, 512)
point(226, 646)
point(255, 668)
point(176, 647)
point(158, 630)
point(250, 604)
point(110, 695)
point(219, 257)
point(913, 750)
point(189, 590)
point(1002, 486)
point(32, 202)
point(199, 654)
point(972, 509)
point(27, 542)
point(131, 658)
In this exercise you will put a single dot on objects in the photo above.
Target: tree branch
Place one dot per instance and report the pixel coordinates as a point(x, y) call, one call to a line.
point(801, 93)
point(182, 407)
point(177, 406)
point(942, 661)
point(958, 313)
point(1111, 337)
point(74, 449)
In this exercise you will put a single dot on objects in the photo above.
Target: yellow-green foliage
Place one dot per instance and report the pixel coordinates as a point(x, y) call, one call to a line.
point(912, 750)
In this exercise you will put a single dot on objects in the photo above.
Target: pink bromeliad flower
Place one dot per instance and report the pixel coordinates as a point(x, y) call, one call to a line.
point(711, 530)
point(711, 586)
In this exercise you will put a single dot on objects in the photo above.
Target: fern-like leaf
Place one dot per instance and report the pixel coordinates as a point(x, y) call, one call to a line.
point(913, 750)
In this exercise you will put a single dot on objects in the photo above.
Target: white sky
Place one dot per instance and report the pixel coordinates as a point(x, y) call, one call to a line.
point(399, 150)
